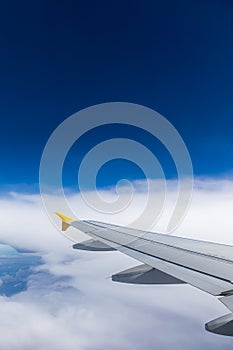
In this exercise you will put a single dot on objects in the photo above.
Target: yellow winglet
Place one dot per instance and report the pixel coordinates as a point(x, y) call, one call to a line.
point(65, 221)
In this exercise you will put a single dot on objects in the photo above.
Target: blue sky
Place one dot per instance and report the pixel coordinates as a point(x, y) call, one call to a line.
point(58, 57)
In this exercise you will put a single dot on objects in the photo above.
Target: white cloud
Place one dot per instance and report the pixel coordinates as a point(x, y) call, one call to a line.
point(70, 303)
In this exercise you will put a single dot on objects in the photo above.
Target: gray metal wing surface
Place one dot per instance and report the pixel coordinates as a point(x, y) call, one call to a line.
point(204, 265)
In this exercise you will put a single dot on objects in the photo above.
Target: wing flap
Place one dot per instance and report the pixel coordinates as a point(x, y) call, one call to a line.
point(209, 284)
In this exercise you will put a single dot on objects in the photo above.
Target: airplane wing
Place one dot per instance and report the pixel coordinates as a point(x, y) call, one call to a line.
point(166, 260)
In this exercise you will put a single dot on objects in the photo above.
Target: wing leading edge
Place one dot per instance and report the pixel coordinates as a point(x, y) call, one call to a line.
point(166, 259)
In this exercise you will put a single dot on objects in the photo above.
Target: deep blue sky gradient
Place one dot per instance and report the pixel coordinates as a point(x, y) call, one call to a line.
point(58, 57)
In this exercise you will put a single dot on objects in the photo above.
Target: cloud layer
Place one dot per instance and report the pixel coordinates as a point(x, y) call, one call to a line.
point(71, 304)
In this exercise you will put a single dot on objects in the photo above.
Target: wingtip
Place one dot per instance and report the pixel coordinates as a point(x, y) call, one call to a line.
point(66, 220)
point(64, 217)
